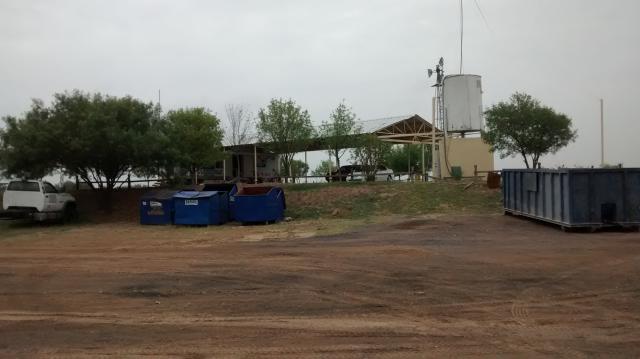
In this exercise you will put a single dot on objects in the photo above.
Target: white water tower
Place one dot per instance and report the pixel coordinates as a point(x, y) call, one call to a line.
point(462, 99)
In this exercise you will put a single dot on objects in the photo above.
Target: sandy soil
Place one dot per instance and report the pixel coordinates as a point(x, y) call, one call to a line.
point(421, 287)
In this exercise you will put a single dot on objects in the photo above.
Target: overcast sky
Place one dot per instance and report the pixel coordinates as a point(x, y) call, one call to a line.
point(374, 54)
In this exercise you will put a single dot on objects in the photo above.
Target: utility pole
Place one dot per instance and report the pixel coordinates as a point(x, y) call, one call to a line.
point(601, 132)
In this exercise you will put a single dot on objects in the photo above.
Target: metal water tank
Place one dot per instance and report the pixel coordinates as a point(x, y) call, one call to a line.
point(462, 97)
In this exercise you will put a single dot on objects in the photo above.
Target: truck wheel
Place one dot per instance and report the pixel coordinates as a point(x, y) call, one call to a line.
point(70, 212)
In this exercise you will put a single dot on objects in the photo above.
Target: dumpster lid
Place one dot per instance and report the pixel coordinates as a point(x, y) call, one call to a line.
point(226, 187)
point(196, 194)
point(259, 188)
point(159, 194)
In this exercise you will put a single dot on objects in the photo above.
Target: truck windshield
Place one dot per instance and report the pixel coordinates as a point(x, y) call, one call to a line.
point(24, 186)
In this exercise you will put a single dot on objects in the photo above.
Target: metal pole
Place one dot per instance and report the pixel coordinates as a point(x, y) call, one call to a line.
point(330, 167)
point(255, 164)
point(290, 169)
point(406, 146)
point(433, 137)
point(423, 172)
point(306, 175)
point(601, 132)
point(224, 169)
point(279, 167)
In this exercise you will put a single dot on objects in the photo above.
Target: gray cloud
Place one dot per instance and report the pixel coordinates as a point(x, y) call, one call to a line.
point(372, 53)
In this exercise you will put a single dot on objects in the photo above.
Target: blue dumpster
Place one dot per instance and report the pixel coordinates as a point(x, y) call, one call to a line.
point(157, 207)
point(231, 190)
point(259, 203)
point(574, 197)
point(201, 208)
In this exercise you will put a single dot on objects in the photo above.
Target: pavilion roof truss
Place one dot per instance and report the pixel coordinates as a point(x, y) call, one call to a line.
point(414, 129)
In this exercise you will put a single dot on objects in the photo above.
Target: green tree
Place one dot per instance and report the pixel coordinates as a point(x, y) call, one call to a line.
point(95, 137)
point(285, 128)
point(402, 157)
point(370, 153)
point(195, 136)
point(524, 127)
point(101, 138)
point(338, 132)
point(162, 160)
point(298, 168)
point(323, 168)
point(25, 144)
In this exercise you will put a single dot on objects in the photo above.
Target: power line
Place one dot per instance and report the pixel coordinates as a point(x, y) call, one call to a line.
point(482, 14)
point(461, 33)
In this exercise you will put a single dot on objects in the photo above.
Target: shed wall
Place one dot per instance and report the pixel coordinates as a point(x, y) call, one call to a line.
point(466, 153)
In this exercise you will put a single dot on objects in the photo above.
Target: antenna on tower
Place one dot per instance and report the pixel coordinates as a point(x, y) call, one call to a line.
point(439, 71)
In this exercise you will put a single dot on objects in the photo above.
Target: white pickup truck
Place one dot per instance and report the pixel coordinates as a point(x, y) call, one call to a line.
point(37, 199)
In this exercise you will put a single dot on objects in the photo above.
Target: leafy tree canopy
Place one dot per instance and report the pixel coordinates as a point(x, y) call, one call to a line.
point(96, 137)
point(524, 127)
point(298, 168)
point(286, 128)
point(370, 153)
point(24, 144)
point(402, 157)
point(195, 136)
point(339, 130)
point(323, 168)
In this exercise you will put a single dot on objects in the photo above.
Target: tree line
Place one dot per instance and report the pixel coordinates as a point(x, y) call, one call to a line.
point(101, 138)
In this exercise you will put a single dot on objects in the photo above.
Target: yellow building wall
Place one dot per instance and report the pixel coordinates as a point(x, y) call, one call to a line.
point(466, 153)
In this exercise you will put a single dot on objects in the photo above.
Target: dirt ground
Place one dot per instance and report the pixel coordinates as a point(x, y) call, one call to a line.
point(431, 286)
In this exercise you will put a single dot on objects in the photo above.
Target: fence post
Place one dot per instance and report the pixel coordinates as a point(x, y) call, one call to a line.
point(475, 170)
point(129, 181)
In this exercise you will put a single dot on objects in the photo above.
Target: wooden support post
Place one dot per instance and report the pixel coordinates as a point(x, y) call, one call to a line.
point(255, 164)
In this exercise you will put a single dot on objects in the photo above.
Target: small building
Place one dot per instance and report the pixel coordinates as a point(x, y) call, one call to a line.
point(471, 154)
point(244, 163)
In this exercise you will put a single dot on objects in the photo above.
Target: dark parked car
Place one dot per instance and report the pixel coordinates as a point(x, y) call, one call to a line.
point(344, 173)
point(354, 173)
point(3, 187)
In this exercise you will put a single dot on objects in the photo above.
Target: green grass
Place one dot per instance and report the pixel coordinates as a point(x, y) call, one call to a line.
point(304, 187)
point(364, 200)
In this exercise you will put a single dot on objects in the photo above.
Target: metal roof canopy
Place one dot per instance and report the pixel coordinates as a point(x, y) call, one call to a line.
point(399, 129)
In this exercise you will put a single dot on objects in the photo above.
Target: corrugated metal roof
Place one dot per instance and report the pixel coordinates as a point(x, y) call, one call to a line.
point(371, 126)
